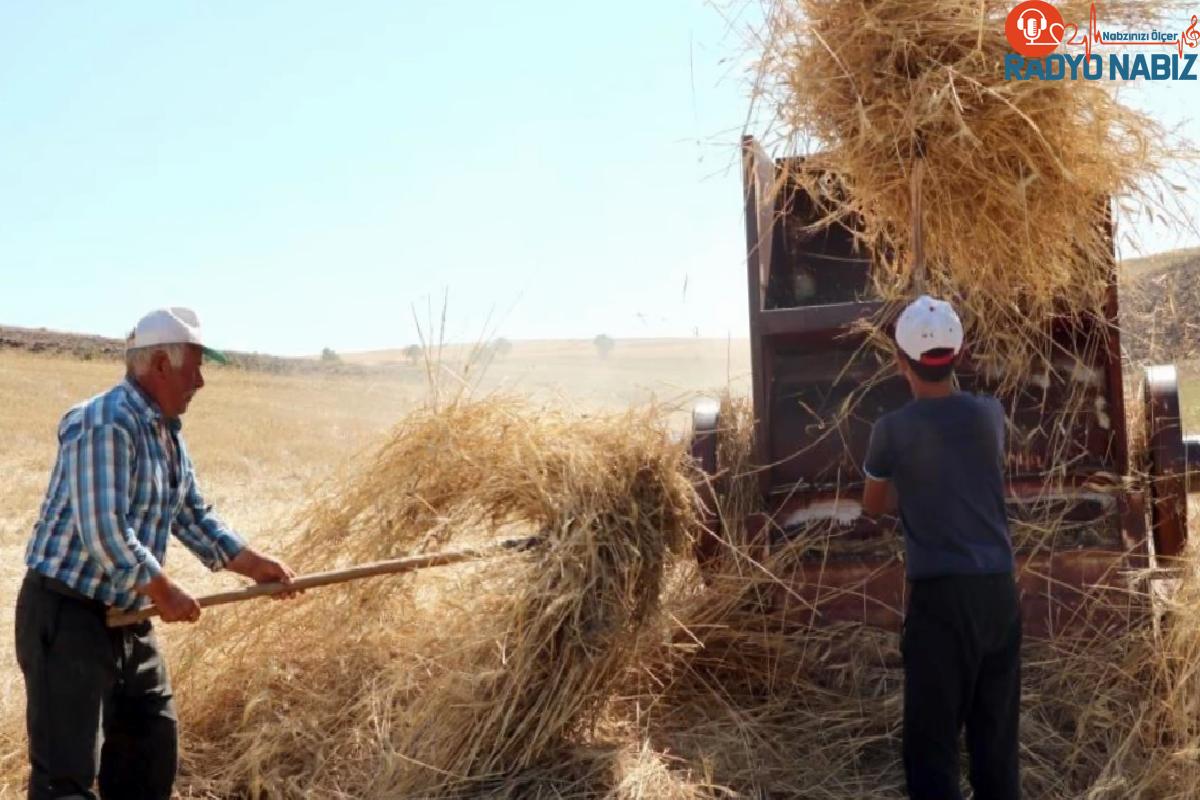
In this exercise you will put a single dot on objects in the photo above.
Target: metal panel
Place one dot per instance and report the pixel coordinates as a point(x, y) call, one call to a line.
point(758, 169)
point(1078, 592)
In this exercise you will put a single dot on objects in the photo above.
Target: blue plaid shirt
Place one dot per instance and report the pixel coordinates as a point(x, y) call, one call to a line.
point(116, 492)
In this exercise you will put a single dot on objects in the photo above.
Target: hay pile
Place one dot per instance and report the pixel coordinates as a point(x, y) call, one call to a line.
point(1016, 174)
point(406, 688)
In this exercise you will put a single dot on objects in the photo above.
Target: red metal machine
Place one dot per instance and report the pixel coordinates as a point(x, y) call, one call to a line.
point(809, 369)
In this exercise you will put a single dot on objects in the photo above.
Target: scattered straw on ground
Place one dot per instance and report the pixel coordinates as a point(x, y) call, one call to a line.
point(550, 674)
point(606, 665)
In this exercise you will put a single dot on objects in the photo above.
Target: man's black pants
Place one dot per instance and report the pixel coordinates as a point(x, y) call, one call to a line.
point(962, 667)
point(98, 702)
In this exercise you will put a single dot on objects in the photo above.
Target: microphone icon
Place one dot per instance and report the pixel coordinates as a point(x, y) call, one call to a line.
point(1032, 23)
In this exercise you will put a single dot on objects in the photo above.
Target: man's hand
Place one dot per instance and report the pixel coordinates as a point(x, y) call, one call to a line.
point(262, 569)
point(172, 602)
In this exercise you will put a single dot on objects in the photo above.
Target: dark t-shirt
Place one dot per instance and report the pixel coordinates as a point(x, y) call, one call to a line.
point(945, 457)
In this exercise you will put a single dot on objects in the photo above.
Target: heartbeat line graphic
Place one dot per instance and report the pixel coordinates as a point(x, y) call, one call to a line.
point(1189, 38)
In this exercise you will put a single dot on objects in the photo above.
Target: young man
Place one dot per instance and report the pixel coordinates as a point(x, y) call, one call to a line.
point(941, 459)
point(98, 701)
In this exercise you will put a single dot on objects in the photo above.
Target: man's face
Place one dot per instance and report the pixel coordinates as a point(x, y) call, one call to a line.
point(173, 389)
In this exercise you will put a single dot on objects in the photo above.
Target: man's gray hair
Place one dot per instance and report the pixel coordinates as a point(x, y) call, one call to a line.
point(138, 359)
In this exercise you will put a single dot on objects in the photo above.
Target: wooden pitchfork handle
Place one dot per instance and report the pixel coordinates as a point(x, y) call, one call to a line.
point(917, 213)
point(395, 566)
point(917, 223)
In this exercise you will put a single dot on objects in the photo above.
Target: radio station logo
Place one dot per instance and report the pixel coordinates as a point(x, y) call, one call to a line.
point(1050, 49)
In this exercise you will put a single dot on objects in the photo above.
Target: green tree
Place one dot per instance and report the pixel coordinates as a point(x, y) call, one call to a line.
point(604, 345)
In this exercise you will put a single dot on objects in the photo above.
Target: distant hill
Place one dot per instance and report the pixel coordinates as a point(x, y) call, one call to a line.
point(88, 347)
point(1160, 307)
point(632, 371)
point(1160, 320)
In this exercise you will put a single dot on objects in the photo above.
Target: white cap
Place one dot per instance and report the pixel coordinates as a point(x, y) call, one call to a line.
point(174, 325)
point(928, 324)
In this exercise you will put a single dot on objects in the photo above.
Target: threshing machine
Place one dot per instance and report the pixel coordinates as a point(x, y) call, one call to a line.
point(806, 288)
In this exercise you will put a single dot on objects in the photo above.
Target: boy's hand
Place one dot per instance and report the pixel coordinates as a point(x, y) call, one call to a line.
point(879, 497)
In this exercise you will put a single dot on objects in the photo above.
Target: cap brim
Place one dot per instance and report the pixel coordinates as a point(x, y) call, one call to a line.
point(214, 355)
point(938, 361)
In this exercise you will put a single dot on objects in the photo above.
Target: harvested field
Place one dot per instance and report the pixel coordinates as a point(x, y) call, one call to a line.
point(265, 444)
point(708, 691)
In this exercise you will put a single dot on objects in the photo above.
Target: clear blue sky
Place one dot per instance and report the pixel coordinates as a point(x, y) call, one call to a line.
point(304, 173)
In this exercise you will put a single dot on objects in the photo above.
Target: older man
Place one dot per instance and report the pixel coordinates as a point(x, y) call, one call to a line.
point(98, 702)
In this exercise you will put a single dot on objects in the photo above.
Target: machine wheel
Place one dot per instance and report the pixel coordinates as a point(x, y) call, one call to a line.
point(706, 418)
point(1168, 453)
point(706, 421)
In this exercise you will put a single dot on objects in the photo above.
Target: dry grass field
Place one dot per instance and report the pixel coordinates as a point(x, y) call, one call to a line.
point(261, 444)
point(264, 443)
point(637, 370)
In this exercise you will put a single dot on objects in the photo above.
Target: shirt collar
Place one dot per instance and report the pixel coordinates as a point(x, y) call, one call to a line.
point(146, 406)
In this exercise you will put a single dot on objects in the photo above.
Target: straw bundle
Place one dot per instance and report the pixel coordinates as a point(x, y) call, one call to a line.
point(405, 689)
point(1016, 174)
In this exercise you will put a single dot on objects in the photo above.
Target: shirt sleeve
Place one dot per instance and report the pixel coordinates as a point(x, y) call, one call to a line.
point(203, 532)
point(878, 464)
point(100, 463)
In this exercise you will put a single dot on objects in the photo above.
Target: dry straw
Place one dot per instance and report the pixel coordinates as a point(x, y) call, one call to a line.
point(550, 675)
point(1016, 174)
point(605, 665)
point(401, 688)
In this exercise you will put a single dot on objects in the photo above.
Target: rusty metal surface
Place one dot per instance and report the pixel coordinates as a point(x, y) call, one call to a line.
point(795, 323)
point(1082, 592)
point(758, 174)
point(1131, 508)
point(823, 399)
point(1191, 446)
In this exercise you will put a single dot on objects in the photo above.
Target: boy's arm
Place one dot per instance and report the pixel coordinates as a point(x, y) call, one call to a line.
point(879, 495)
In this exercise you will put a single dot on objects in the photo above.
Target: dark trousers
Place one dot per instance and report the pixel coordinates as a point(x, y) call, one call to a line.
point(962, 668)
point(98, 702)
